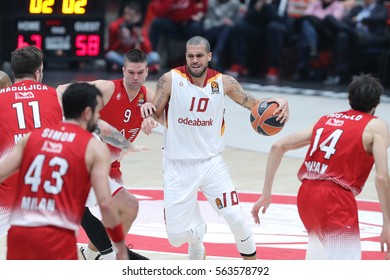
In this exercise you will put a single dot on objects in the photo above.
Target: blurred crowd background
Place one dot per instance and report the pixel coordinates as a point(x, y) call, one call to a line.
point(321, 41)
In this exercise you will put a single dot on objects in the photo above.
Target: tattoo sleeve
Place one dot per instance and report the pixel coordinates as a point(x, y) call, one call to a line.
point(116, 139)
point(240, 96)
point(160, 96)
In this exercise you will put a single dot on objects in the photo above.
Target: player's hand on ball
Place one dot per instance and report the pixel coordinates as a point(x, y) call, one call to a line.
point(282, 110)
point(263, 118)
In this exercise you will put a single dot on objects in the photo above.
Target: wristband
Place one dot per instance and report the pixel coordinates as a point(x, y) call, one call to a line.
point(116, 233)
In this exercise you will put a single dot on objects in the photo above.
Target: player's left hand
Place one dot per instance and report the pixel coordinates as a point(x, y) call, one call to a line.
point(147, 109)
point(282, 110)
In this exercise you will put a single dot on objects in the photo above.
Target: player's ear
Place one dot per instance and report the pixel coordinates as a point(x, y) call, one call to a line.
point(37, 75)
point(87, 113)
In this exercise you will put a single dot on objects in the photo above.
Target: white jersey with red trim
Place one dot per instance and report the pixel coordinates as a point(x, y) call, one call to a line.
point(194, 124)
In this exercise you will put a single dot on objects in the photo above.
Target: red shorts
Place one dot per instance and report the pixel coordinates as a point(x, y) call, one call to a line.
point(41, 243)
point(324, 205)
point(8, 191)
point(330, 216)
point(116, 173)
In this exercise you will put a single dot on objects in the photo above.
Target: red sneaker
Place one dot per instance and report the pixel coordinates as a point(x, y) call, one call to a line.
point(237, 70)
point(272, 74)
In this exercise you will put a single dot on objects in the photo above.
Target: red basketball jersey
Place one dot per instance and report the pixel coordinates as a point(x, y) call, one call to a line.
point(53, 181)
point(24, 106)
point(125, 115)
point(336, 152)
point(122, 113)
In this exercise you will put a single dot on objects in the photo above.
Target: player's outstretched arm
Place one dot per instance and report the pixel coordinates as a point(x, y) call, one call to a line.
point(380, 143)
point(114, 137)
point(234, 90)
point(105, 86)
point(98, 161)
point(293, 141)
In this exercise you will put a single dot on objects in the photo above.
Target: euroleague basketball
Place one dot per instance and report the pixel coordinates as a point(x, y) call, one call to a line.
point(262, 120)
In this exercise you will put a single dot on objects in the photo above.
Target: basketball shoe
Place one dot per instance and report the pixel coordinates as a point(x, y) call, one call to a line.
point(133, 255)
point(196, 249)
point(89, 254)
point(237, 70)
point(272, 74)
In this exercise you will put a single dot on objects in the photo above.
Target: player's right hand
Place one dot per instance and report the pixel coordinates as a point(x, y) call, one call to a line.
point(262, 203)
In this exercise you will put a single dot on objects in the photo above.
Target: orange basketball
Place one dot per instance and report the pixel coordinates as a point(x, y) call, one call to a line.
point(262, 120)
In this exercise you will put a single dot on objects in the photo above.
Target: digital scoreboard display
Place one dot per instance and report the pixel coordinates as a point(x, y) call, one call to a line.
point(63, 29)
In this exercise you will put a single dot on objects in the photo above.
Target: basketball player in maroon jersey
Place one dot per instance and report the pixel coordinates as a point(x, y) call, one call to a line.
point(57, 165)
point(343, 147)
point(123, 99)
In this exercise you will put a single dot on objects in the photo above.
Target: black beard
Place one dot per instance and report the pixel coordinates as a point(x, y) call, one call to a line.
point(196, 75)
point(92, 127)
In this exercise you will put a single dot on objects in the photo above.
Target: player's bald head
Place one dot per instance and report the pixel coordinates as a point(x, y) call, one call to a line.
point(5, 80)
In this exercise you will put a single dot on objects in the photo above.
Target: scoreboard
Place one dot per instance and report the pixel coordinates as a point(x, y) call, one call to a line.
point(64, 29)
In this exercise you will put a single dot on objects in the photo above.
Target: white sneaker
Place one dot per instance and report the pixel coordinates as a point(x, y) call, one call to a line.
point(196, 249)
point(332, 81)
point(196, 252)
point(88, 254)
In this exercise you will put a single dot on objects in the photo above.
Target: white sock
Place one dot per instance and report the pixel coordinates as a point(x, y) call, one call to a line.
point(90, 254)
point(111, 255)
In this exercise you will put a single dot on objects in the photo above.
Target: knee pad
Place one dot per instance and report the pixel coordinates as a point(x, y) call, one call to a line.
point(242, 234)
point(194, 235)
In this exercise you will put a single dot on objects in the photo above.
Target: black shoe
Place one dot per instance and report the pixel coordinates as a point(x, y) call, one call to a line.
point(135, 256)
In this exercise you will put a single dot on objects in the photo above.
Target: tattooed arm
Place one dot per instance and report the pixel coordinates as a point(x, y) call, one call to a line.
point(112, 136)
point(234, 90)
point(160, 100)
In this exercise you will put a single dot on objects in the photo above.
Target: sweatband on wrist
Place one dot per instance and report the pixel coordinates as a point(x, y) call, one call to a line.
point(116, 233)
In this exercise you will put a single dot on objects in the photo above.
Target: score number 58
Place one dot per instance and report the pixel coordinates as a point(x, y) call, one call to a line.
point(86, 45)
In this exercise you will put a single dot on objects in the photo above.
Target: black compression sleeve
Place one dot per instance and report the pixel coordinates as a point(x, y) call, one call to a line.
point(95, 231)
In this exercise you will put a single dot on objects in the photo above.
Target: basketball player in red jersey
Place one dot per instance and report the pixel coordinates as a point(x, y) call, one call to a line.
point(192, 97)
point(57, 165)
point(343, 147)
point(123, 99)
point(26, 105)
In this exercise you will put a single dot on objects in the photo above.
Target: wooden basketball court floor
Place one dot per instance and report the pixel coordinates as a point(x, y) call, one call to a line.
point(246, 151)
